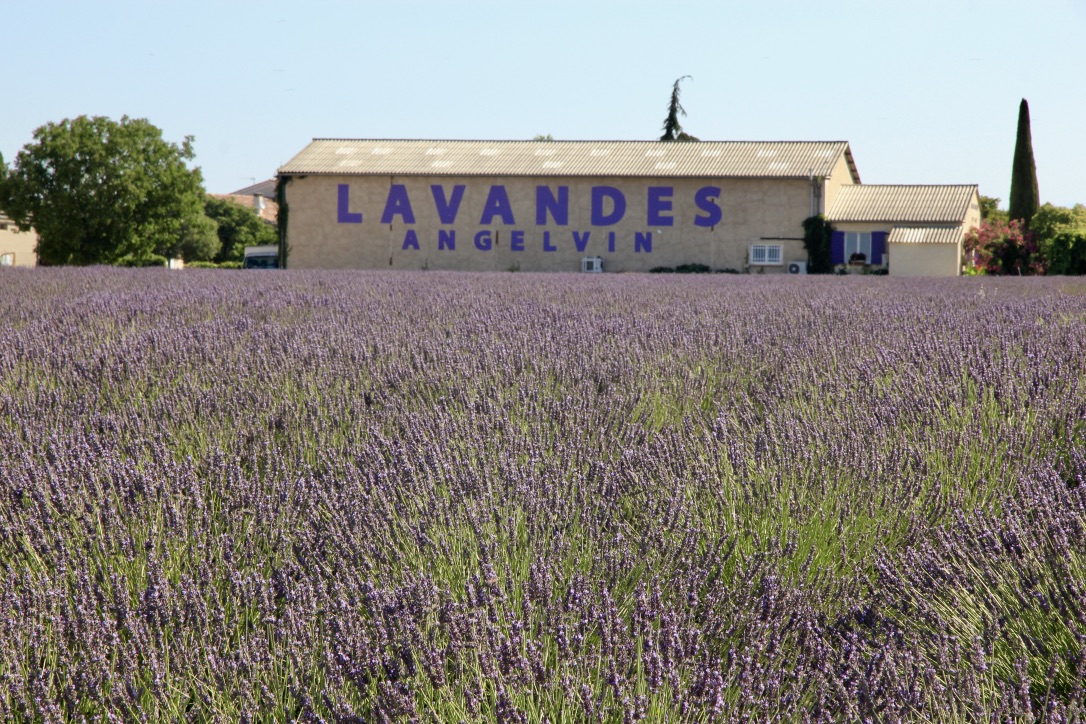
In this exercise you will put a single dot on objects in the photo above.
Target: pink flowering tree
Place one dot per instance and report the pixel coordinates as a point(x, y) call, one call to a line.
point(1002, 248)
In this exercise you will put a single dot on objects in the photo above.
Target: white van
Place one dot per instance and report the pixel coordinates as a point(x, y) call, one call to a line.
point(261, 257)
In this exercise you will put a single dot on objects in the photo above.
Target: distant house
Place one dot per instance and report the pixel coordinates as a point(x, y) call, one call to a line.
point(908, 230)
point(17, 248)
point(259, 197)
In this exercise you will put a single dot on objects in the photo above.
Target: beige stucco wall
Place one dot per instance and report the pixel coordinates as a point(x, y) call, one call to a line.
point(752, 211)
point(972, 216)
point(925, 260)
point(840, 176)
point(19, 243)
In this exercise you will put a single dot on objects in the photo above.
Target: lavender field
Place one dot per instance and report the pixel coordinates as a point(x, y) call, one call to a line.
point(384, 497)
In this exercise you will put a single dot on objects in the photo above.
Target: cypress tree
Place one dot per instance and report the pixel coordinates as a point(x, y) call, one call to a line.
point(1025, 199)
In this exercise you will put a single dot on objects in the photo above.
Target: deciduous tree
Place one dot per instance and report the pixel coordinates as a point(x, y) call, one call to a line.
point(1061, 236)
point(1050, 220)
point(98, 190)
point(238, 227)
point(989, 209)
point(1002, 248)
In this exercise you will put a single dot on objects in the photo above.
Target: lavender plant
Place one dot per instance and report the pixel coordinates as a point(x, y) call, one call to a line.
point(333, 496)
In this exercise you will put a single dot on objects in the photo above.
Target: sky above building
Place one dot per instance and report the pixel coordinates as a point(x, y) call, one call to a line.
point(925, 91)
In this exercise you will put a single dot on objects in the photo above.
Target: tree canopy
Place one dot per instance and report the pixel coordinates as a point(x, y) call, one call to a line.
point(989, 208)
point(673, 130)
point(238, 227)
point(1061, 236)
point(98, 190)
point(1050, 220)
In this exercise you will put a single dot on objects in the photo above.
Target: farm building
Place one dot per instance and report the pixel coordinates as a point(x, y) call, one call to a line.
point(622, 205)
point(912, 230)
point(17, 248)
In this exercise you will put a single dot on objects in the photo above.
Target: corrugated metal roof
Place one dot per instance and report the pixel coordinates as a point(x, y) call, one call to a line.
point(705, 159)
point(925, 235)
point(908, 204)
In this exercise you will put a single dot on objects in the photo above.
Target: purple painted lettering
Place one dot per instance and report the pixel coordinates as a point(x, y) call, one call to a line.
point(497, 204)
point(447, 207)
point(482, 240)
point(659, 204)
point(618, 205)
point(344, 205)
point(446, 239)
point(705, 199)
point(546, 201)
point(398, 204)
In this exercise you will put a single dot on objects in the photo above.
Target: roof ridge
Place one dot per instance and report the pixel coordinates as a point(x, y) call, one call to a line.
point(921, 186)
point(556, 140)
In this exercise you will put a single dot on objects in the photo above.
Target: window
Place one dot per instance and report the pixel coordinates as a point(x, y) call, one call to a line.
point(765, 254)
point(7, 259)
point(858, 243)
point(872, 244)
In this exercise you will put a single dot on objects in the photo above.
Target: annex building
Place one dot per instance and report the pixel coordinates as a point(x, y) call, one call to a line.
point(17, 248)
point(622, 205)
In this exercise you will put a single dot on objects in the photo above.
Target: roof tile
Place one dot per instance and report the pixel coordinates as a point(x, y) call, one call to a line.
point(906, 204)
point(925, 235)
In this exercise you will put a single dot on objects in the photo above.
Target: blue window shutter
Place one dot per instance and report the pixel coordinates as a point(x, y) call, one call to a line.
point(837, 248)
point(878, 246)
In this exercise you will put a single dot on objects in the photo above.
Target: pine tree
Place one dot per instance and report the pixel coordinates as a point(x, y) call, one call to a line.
point(1025, 199)
point(673, 130)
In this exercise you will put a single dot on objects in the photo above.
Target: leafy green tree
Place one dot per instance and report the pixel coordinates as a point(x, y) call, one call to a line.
point(1065, 252)
point(98, 190)
point(817, 235)
point(1025, 198)
point(198, 241)
point(1050, 220)
point(989, 209)
point(673, 130)
point(1061, 237)
point(238, 227)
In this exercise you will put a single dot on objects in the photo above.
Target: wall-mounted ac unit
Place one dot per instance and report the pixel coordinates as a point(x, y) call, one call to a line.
point(797, 267)
point(592, 264)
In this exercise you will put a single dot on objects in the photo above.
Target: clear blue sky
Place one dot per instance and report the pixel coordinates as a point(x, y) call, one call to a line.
point(925, 91)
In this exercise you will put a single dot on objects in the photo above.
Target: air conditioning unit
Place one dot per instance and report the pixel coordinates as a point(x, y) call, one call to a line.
point(797, 267)
point(592, 264)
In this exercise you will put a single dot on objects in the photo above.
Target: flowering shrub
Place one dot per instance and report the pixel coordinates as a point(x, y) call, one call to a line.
point(1003, 248)
point(457, 497)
